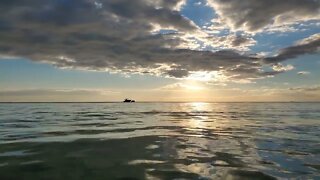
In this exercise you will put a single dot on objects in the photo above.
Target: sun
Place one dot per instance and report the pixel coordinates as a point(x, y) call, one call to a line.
point(192, 85)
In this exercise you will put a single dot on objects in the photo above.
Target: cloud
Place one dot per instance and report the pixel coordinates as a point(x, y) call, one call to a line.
point(178, 73)
point(116, 36)
point(303, 73)
point(181, 87)
point(27, 92)
point(281, 68)
point(309, 45)
point(124, 36)
point(306, 89)
point(231, 41)
point(56, 95)
point(256, 15)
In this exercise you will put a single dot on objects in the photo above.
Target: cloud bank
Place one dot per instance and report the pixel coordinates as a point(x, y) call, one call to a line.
point(309, 45)
point(127, 36)
point(256, 15)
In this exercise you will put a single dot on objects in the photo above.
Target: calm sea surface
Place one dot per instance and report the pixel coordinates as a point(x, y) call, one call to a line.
point(159, 141)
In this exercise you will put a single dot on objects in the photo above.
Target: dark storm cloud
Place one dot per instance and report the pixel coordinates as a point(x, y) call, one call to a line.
point(254, 15)
point(115, 35)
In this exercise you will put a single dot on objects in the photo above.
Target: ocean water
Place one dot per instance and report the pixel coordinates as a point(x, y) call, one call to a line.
point(159, 141)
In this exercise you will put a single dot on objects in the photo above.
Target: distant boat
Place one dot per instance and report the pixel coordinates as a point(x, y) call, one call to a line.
point(128, 100)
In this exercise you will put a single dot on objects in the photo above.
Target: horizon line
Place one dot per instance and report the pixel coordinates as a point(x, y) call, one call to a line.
point(4, 102)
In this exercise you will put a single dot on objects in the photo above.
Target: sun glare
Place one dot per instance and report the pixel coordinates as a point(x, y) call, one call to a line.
point(193, 87)
point(205, 76)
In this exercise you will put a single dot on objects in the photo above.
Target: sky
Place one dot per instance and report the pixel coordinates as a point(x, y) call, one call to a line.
point(159, 50)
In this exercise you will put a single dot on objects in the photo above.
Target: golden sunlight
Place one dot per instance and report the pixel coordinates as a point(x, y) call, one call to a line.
point(206, 76)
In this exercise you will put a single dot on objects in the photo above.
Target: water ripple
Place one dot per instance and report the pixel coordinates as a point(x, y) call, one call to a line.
point(160, 140)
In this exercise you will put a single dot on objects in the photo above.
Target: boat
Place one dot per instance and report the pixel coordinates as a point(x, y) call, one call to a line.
point(128, 100)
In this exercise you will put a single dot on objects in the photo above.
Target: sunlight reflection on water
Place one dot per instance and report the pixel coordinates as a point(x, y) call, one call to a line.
point(160, 140)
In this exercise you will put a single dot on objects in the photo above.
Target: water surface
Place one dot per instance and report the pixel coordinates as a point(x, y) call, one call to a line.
point(159, 140)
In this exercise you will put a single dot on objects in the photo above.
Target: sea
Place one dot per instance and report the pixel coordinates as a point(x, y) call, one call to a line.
point(133, 141)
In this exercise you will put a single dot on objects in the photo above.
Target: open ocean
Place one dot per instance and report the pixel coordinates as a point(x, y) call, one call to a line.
point(159, 141)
